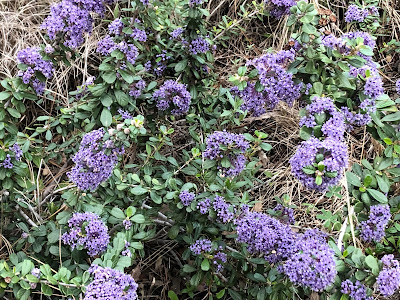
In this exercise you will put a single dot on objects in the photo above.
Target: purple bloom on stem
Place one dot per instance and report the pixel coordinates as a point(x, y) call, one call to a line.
point(89, 231)
point(186, 197)
point(204, 206)
point(373, 229)
point(201, 245)
point(356, 291)
point(173, 95)
point(388, 280)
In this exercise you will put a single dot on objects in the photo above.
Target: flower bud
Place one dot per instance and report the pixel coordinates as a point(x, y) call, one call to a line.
point(127, 131)
point(111, 131)
point(120, 126)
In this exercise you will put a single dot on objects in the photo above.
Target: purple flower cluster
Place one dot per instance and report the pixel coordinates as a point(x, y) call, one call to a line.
point(313, 263)
point(173, 95)
point(16, 152)
point(204, 206)
point(324, 159)
point(87, 230)
point(110, 284)
point(107, 45)
point(219, 259)
point(126, 252)
point(388, 280)
point(224, 211)
point(176, 33)
point(127, 224)
point(229, 149)
point(286, 214)
point(398, 86)
point(278, 83)
point(161, 63)
point(137, 88)
point(34, 62)
point(70, 20)
point(357, 14)
point(322, 112)
point(201, 245)
point(186, 197)
point(373, 229)
point(266, 235)
point(116, 27)
point(195, 2)
point(199, 45)
point(254, 102)
point(94, 162)
point(279, 8)
point(124, 114)
point(357, 291)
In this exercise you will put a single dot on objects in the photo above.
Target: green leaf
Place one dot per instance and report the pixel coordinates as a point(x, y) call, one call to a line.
point(391, 117)
point(138, 190)
point(181, 65)
point(205, 265)
point(13, 112)
point(4, 95)
point(353, 179)
point(106, 117)
point(122, 98)
point(377, 195)
point(106, 100)
point(172, 295)
point(23, 294)
point(235, 295)
point(188, 269)
point(27, 266)
point(220, 294)
point(140, 219)
point(46, 290)
point(118, 213)
point(318, 88)
point(318, 180)
point(109, 77)
point(242, 70)
point(372, 263)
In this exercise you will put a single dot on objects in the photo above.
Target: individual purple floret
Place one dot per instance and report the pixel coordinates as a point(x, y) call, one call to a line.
point(186, 197)
point(36, 272)
point(7, 164)
point(35, 63)
point(267, 236)
point(17, 151)
point(173, 95)
point(88, 231)
point(229, 149)
point(110, 284)
point(313, 264)
point(219, 259)
point(145, 2)
point(324, 159)
point(322, 111)
point(195, 2)
point(115, 27)
point(398, 86)
point(279, 8)
point(388, 280)
point(124, 114)
point(127, 224)
point(278, 83)
point(373, 229)
point(224, 211)
point(93, 163)
point(201, 245)
point(357, 291)
point(204, 206)
point(286, 214)
point(199, 45)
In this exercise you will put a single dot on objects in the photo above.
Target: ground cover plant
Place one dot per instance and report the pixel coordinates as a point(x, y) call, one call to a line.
point(200, 150)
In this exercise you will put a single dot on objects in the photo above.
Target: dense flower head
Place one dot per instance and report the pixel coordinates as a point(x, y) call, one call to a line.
point(254, 102)
point(186, 197)
point(17, 151)
point(70, 21)
point(322, 111)
point(279, 8)
point(373, 229)
point(110, 284)
point(173, 95)
point(87, 230)
point(278, 83)
point(266, 235)
point(34, 61)
point(311, 155)
point(224, 211)
point(368, 40)
point(357, 291)
point(176, 33)
point(358, 14)
point(229, 148)
point(330, 41)
point(115, 27)
point(204, 206)
point(313, 263)
point(219, 259)
point(107, 45)
point(388, 280)
point(124, 114)
point(199, 45)
point(127, 224)
point(398, 86)
point(7, 164)
point(201, 246)
point(94, 162)
point(286, 214)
